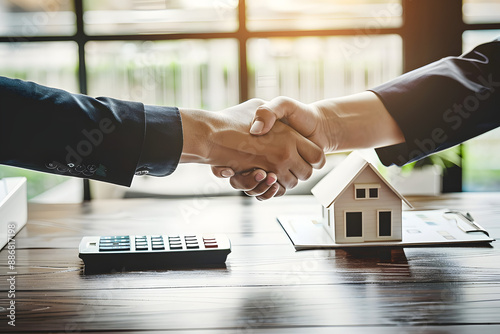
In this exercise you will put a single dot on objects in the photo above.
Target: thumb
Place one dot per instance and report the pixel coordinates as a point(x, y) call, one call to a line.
point(288, 110)
point(267, 114)
point(263, 121)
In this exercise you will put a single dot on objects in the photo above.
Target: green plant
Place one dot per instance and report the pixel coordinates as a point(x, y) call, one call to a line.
point(444, 159)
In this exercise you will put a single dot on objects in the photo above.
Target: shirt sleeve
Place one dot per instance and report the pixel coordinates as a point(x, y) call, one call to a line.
point(54, 131)
point(162, 146)
point(443, 104)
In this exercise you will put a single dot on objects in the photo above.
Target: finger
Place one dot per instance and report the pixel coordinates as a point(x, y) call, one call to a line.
point(288, 179)
point(222, 172)
point(270, 193)
point(271, 178)
point(280, 192)
point(264, 186)
point(260, 189)
point(248, 181)
point(311, 153)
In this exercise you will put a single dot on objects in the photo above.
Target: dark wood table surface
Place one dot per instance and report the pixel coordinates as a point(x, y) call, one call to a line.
point(266, 286)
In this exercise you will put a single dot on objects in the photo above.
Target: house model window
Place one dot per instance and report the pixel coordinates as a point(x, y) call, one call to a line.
point(366, 191)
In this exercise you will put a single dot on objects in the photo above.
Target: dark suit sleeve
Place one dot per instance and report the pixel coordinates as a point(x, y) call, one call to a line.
point(51, 130)
point(443, 104)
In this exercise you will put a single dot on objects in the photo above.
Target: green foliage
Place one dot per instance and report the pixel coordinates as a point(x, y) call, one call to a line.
point(444, 159)
point(37, 182)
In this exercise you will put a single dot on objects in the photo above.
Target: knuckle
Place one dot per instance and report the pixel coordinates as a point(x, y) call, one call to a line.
point(292, 183)
point(319, 158)
point(283, 99)
point(284, 155)
point(308, 173)
point(257, 100)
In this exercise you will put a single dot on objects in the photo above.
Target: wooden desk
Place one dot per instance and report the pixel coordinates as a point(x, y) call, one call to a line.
point(267, 287)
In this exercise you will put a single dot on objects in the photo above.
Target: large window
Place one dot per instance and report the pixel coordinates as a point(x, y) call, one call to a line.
point(213, 54)
point(481, 165)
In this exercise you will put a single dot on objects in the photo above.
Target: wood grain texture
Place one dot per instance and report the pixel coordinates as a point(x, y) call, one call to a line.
point(266, 286)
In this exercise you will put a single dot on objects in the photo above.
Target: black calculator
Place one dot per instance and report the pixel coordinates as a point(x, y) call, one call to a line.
point(143, 252)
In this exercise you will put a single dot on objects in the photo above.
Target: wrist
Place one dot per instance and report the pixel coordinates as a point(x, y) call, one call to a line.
point(197, 130)
point(329, 127)
point(358, 121)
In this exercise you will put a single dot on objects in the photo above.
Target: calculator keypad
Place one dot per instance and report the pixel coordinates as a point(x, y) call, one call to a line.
point(145, 243)
point(114, 243)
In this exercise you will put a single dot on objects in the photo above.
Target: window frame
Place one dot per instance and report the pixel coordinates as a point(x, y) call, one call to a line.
point(367, 187)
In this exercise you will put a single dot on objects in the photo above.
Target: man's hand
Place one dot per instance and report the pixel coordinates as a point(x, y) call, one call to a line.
point(352, 122)
point(307, 119)
point(223, 139)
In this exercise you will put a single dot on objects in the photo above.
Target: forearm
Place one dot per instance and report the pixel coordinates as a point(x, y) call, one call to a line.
point(357, 121)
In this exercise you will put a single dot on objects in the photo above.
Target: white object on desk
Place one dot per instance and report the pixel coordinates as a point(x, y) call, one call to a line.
point(13, 207)
point(420, 228)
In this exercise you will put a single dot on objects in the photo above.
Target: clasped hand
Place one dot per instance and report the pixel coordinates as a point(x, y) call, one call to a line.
point(339, 124)
point(305, 120)
point(224, 139)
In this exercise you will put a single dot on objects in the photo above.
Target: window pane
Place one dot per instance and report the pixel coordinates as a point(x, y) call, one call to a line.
point(354, 224)
point(373, 192)
point(360, 193)
point(481, 163)
point(481, 11)
point(314, 68)
point(36, 18)
point(384, 223)
point(53, 64)
point(159, 16)
point(370, 15)
point(194, 73)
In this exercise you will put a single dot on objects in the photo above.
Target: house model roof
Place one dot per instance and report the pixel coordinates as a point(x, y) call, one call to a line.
point(328, 189)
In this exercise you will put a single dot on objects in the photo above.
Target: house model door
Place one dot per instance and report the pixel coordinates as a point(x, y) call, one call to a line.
point(354, 230)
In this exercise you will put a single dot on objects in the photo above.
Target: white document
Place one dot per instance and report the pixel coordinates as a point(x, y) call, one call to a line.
point(13, 207)
point(431, 227)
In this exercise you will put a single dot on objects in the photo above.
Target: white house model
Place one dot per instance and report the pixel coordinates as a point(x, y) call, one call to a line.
point(359, 205)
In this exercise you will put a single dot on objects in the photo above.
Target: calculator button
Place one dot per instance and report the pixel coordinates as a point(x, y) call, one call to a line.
point(114, 248)
point(116, 237)
point(114, 245)
point(211, 246)
point(141, 248)
point(192, 246)
point(175, 246)
point(157, 247)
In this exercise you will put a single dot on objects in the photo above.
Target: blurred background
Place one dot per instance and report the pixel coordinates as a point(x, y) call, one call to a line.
point(213, 54)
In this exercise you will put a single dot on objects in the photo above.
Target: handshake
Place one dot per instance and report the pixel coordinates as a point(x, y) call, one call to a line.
point(265, 148)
